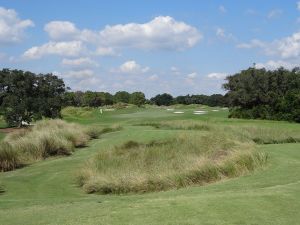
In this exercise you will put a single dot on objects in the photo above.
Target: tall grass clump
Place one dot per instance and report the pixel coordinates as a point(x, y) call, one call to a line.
point(187, 159)
point(46, 138)
point(9, 158)
point(1, 189)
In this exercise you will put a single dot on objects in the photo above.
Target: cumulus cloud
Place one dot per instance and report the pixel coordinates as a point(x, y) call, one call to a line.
point(11, 26)
point(217, 75)
point(132, 67)
point(61, 30)
point(287, 47)
point(79, 62)
point(71, 48)
point(163, 32)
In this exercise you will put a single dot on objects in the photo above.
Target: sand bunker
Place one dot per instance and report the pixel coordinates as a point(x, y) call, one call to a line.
point(178, 112)
point(215, 110)
point(170, 109)
point(107, 110)
point(200, 111)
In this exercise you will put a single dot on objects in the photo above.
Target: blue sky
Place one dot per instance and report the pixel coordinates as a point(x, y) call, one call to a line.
point(179, 47)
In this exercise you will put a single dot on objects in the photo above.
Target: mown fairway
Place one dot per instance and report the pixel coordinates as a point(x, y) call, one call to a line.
point(46, 193)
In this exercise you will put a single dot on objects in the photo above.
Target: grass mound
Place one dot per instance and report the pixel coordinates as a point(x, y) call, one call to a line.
point(188, 159)
point(47, 138)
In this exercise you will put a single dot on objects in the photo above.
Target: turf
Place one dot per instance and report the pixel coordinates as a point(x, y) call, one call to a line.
point(45, 192)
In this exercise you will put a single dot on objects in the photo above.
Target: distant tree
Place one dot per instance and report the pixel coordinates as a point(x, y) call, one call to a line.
point(162, 99)
point(26, 96)
point(122, 96)
point(92, 99)
point(137, 98)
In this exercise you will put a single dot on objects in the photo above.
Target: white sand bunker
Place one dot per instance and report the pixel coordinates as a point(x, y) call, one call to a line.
point(200, 112)
point(224, 108)
point(195, 113)
point(107, 110)
point(170, 109)
point(178, 112)
point(215, 110)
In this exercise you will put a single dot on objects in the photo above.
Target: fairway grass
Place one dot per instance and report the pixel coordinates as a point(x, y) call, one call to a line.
point(46, 193)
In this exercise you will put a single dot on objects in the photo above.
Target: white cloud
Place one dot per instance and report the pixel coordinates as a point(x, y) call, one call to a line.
point(132, 67)
point(192, 75)
point(175, 70)
point(79, 74)
point(79, 62)
point(153, 77)
point(275, 13)
point(298, 5)
point(11, 26)
point(217, 75)
point(163, 32)
point(223, 35)
point(222, 9)
point(61, 30)
point(105, 51)
point(288, 47)
point(71, 48)
point(254, 43)
point(273, 65)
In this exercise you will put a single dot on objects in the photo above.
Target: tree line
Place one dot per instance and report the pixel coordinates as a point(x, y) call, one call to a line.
point(96, 99)
point(251, 93)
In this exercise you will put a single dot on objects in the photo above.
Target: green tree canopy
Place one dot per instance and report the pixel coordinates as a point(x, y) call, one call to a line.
point(162, 99)
point(26, 96)
point(137, 98)
point(260, 93)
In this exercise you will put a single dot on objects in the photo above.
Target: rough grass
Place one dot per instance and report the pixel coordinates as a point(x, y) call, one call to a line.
point(188, 159)
point(78, 111)
point(47, 138)
point(259, 135)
